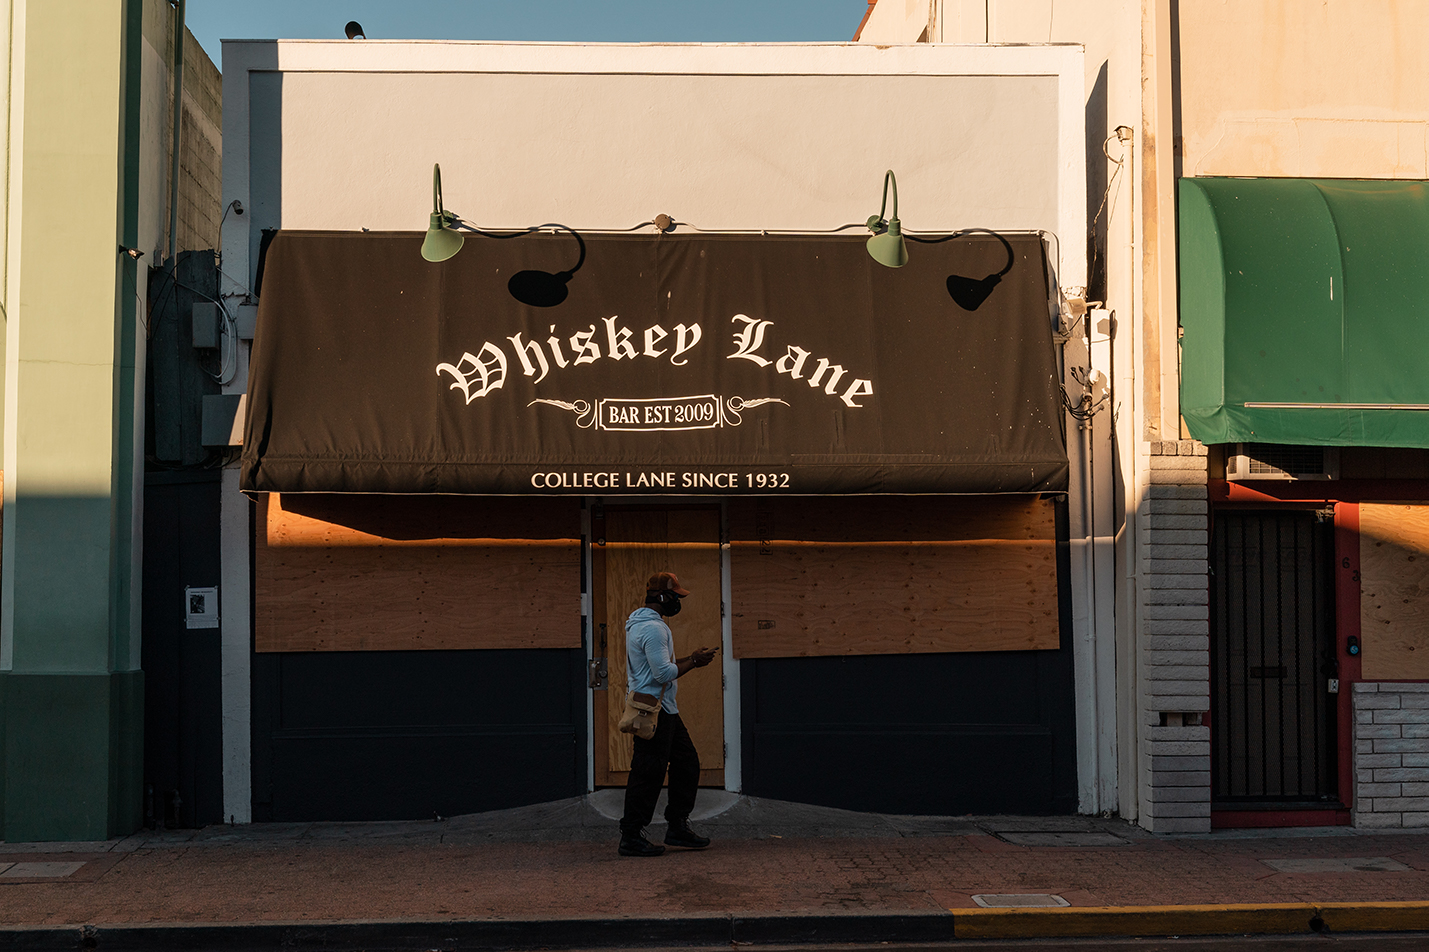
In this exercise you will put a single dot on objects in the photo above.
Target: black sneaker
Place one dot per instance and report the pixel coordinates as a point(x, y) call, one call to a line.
point(680, 834)
point(635, 844)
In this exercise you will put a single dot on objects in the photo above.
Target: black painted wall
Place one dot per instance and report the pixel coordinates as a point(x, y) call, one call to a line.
point(398, 735)
point(183, 725)
point(930, 734)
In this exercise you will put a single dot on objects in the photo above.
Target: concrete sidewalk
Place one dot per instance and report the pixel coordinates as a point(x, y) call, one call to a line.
point(549, 876)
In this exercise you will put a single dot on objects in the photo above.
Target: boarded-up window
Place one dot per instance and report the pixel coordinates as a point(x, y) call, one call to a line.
point(893, 575)
point(384, 573)
point(1394, 591)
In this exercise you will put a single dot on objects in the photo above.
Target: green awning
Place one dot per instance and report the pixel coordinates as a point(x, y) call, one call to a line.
point(1305, 307)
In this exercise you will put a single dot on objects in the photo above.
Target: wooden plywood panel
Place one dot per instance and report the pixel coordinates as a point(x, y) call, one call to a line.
point(326, 519)
point(639, 543)
point(494, 591)
point(897, 575)
point(1394, 591)
point(634, 550)
point(694, 556)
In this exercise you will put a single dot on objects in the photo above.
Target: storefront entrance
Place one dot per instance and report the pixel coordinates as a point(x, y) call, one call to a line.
point(879, 504)
point(1273, 740)
point(631, 543)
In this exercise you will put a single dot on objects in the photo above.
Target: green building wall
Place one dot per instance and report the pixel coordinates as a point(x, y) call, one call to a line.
point(71, 694)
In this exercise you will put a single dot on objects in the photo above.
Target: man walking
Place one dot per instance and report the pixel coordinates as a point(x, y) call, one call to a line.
point(652, 668)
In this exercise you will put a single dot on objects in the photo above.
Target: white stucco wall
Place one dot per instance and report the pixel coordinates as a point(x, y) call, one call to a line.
point(723, 137)
point(721, 152)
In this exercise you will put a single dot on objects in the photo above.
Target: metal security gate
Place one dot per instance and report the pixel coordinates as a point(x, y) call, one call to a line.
point(1272, 658)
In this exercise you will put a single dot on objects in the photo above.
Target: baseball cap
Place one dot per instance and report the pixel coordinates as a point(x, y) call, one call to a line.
point(663, 581)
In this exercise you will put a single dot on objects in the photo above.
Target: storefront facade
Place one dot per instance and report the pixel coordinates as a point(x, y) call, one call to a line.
point(1314, 401)
point(457, 474)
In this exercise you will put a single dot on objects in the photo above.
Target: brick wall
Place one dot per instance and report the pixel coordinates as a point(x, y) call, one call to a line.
point(1173, 669)
point(1391, 754)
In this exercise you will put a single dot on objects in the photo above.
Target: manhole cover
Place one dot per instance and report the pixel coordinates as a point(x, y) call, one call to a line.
point(1348, 864)
point(1086, 838)
point(1018, 900)
point(40, 870)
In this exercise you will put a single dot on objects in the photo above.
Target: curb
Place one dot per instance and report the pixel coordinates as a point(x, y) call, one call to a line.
point(726, 931)
point(509, 934)
point(1233, 919)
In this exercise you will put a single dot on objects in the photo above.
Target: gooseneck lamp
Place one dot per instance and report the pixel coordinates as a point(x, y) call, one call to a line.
point(442, 240)
point(887, 246)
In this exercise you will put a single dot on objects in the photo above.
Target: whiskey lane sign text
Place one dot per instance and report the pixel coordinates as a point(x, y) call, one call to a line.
point(477, 375)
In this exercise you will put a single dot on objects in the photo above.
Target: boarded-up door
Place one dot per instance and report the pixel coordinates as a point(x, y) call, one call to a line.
point(631, 545)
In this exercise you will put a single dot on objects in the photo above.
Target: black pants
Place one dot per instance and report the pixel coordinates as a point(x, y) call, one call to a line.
point(672, 749)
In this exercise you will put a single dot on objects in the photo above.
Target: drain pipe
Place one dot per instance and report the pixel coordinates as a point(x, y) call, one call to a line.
point(178, 119)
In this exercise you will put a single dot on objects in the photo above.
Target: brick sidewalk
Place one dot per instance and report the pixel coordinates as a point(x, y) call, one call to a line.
point(258, 877)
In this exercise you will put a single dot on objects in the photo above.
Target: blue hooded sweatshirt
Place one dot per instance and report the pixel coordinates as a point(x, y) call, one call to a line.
point(650, 657)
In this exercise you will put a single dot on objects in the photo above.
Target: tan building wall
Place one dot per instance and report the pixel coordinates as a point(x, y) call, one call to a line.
point(1289, 88)
point(201, 139)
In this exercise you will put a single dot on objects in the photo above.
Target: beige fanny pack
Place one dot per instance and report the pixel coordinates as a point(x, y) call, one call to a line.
point(642, 713)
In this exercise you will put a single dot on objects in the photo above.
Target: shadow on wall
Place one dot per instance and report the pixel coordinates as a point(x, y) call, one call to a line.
point(967, 292)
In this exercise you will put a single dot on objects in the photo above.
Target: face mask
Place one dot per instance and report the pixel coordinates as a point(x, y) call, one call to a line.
point(666, 603)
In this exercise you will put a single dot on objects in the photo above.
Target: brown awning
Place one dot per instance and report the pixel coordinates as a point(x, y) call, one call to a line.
point(652, 365)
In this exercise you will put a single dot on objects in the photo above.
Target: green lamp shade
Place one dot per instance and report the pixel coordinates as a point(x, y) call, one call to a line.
point(441, 242)
point(888, 248)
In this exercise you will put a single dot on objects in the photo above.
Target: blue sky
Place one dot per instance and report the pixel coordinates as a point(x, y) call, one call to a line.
point(577, 20)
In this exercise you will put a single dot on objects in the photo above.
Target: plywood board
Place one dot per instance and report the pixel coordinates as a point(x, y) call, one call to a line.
point(893, 575)
point(1394, 591)
point(328, 520)
point(634, 550)
point(492, 591)
point(638, 543)
point(693, 554)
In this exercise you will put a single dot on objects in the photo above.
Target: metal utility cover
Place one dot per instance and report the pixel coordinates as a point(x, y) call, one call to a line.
point(41, 870)
point(1350, 864)
point(1304, 304)
point(1019, 900)
point(1063, 838)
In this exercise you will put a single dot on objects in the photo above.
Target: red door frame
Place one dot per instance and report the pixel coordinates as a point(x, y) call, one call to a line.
point(1345, 496)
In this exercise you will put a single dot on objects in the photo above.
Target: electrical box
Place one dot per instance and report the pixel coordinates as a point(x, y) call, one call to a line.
point(206, 321)
point(223, 418)
point(247, 321)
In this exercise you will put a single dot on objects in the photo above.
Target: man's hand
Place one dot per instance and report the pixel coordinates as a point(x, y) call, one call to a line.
point(698, 659)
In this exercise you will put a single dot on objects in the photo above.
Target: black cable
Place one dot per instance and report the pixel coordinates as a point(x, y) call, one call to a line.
point(151, 324)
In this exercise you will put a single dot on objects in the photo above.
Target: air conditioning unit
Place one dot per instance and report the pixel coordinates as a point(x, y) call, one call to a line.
point(1282, 461)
